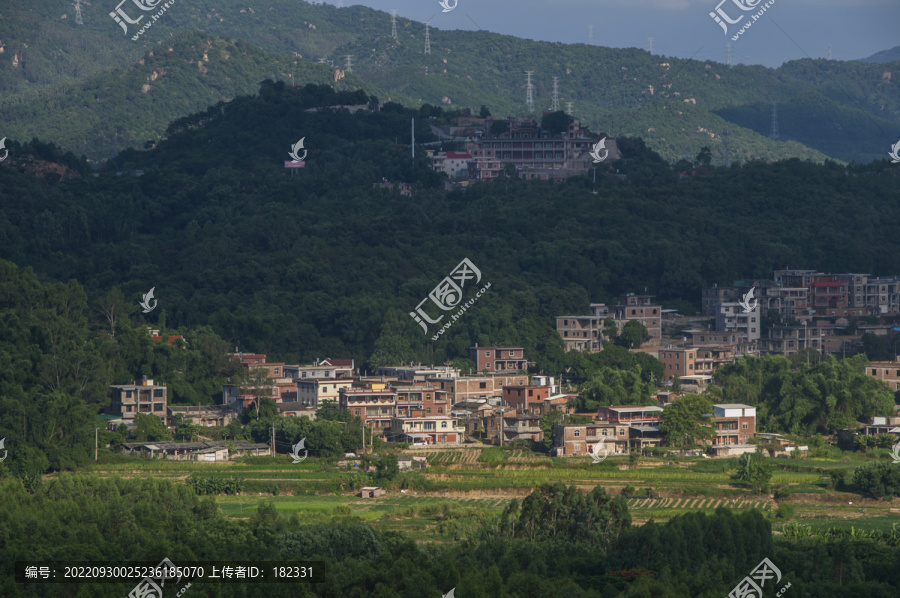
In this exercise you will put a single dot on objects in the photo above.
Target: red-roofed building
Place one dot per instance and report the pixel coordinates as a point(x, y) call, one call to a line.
point(172, 338)
point(250, 358)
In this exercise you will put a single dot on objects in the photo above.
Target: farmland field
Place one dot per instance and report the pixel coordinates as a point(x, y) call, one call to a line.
point(464, 485)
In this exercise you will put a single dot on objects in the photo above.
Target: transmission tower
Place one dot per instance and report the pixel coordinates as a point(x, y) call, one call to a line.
point(340, 3)
point(554, 104)
point(529, 93)
point(569, 108)
point(349, 65)
point(394, 23)
point(728, 54)
point(427, 40)
point(590, 35)
point(829, 51)
point(80, 21)
point(773, 132)
point(650, 43)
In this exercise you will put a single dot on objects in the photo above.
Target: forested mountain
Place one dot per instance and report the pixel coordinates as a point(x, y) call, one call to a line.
point(618, 91)
point(323, 264)
point(892, 55)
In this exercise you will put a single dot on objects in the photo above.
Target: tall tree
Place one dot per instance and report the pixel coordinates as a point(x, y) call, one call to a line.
point(686, 422)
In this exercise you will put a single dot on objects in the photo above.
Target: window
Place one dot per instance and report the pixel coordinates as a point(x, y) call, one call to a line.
point(356, 412)
point(576, 446)
point(482, 385)
point(654, 311)
point(633, 312)
point(127, 394)
point(621, 432)
point(487, 353)
point(566, 333)
point(440, 409)
point(129, 408)
point(530, 392)
point(874, 372)
point(276, 371)
point(487, 365)
point(157, 393)
point(443, 424)
point(157, 406)
point(744, 425)
point(428, 410)
point(577, 433)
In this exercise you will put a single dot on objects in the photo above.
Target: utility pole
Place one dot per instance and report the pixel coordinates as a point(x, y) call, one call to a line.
point(529, 94)
point(273, 440)
point(501, 426)
point(96, 432)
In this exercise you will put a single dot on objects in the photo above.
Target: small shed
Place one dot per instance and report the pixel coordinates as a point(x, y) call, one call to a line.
point(371, 492)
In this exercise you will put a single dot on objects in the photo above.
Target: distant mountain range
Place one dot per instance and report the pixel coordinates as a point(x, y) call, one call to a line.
point(91, 89)
point(892, 55)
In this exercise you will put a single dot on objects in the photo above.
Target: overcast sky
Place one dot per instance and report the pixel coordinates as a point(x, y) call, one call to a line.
point(681, 28)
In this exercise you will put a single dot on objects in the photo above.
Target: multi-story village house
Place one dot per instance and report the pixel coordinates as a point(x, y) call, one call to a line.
point(498, 359)
point(148, 398)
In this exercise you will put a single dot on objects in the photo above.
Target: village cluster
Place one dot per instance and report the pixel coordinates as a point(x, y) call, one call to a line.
point(501, 403)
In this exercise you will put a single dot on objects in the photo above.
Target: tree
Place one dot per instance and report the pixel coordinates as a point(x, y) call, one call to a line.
point(704, 158)
point(113, 306)
point(256, 382)
point(149, 428)
point(556, 122)
point(754, 469)
point(687, 423)
point(484, 112)
point(547, 421)
point(633, 334)
point(498, 127)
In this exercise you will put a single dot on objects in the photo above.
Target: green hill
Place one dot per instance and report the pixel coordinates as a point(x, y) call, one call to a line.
point(325, 264)
point(608, 86)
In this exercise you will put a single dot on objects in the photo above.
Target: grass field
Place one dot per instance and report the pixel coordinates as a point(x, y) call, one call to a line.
point(462, 487)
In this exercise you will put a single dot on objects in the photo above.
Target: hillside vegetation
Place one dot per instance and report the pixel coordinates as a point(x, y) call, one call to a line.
point(98, 69)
